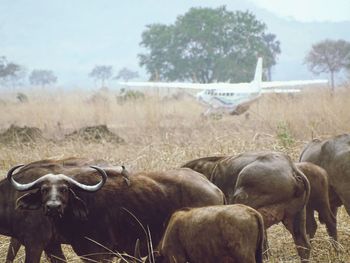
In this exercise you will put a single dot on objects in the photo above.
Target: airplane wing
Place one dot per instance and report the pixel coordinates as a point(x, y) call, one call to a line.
point(277, 90)
point(184, 85)
point(291, 83)
point(151, 84)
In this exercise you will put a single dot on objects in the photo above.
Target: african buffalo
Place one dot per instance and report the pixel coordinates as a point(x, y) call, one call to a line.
point(32, 228)
point(266, 181)
point(226, 233)
point(92, 222)
point(319, 200)
point(333, 155)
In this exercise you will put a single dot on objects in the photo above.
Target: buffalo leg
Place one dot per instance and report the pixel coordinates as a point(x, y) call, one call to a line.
point(311, 224)
point(332, 227)
point(266, 248)
point(331, 223)
point(12, 250)
point(33, 254)
point(54, 253)
point(334, 211)
point(334, 201)
point(297, 227)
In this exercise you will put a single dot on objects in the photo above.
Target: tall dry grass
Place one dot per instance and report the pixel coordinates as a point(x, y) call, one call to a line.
point(164, 133)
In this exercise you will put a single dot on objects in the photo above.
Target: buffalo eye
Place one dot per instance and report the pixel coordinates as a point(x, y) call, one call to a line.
point(63, 190)
point(44, 190)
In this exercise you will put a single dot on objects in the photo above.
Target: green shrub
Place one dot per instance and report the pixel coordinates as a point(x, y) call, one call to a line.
point(129, 95)
point(284, 135)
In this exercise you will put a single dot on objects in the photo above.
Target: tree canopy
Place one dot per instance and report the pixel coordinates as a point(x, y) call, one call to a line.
point(208, 45)
point(42, 77)
point(126, 74)
point(102, 73)
point(329, 56)
point(11, 72)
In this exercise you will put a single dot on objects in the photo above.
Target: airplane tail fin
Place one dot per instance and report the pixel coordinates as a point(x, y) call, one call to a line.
point(258, 71)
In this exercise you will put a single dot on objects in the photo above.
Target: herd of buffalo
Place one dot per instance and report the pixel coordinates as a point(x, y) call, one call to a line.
point(212, 209)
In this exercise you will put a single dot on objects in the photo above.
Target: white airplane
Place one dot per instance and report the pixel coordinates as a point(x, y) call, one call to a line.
point(234, 98)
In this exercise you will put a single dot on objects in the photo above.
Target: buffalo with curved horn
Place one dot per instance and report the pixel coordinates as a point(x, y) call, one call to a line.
point(105, 221)
point(32, 229)
point(55, 191)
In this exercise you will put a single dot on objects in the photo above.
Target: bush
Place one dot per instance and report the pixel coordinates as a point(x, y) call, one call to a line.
point(129, 95)
point(284, 135)
point(21, 97)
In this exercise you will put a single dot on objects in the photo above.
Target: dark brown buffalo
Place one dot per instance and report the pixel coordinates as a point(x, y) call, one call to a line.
point(32, 228)
point(227, 233)
point(319, 200)
point(266, 181)
point(333, 155)
point(92, 222)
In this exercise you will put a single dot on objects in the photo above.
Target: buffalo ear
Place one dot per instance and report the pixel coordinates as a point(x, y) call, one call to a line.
point(78, 206)
point(29, 201)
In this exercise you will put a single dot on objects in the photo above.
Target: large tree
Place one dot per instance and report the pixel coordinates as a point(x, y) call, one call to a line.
point(329, 56)
point(42, 77)
point(126, 74)
point(102, 73)
point(207, 45)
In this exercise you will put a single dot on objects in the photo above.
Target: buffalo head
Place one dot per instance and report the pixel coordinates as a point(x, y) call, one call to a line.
point(55, 192)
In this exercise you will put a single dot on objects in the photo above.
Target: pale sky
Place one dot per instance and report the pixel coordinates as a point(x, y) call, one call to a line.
point(70, 37)
point(308, 10)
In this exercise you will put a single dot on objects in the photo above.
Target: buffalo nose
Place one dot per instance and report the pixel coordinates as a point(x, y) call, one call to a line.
point(53, 206)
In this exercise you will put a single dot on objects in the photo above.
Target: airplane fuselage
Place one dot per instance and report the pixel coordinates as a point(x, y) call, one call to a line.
point(227, 98)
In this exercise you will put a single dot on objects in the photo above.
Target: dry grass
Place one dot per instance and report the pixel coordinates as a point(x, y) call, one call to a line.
point(162, 134)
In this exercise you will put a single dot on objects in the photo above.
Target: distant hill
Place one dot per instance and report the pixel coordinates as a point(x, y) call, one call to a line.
point(296, 40)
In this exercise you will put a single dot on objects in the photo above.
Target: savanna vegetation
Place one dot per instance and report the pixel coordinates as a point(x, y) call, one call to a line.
point(159, 133)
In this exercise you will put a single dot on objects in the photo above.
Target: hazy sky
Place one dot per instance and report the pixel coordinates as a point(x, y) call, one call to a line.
point(308, 10)
point(70, 37)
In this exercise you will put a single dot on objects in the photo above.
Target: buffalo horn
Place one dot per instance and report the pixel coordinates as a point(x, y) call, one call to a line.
point(91, 188)
point(36, 183)
point(19, 186)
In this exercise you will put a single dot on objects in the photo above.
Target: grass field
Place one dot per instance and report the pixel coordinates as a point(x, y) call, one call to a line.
point(163, 133)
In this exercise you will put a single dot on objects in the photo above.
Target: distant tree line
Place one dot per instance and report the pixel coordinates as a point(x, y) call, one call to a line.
point(13, 74)
point(103, 73)
point(204, 45)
